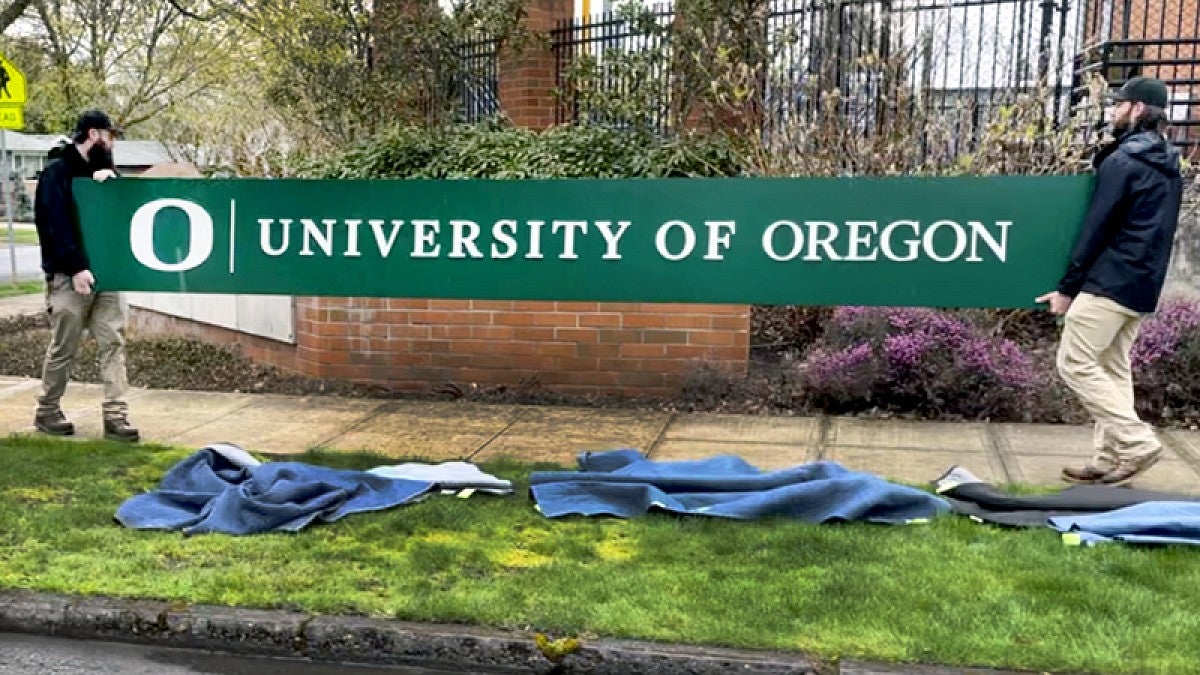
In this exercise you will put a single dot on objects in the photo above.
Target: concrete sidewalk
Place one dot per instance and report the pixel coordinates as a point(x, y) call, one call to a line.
point(915, 452)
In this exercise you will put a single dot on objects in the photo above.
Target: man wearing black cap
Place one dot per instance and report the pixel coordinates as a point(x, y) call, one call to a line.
point(1114, 278)
point(71, 302)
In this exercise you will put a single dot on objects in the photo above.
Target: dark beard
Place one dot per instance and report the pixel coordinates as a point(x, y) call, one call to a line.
point(100, 157)
point(1121, 128)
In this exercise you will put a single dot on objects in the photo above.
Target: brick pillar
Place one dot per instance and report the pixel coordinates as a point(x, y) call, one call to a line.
point(527, 73)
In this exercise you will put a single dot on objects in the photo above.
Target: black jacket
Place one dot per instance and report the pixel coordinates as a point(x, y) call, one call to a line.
point(1124, 248)
point(54, 212)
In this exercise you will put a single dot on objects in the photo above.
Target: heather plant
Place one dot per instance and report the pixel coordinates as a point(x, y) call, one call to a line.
point(915, 360)
point(1166, 363)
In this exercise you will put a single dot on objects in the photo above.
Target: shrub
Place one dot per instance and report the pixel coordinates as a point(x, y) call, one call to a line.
point(915, 360)
point(1166, 363)
point(496, 150)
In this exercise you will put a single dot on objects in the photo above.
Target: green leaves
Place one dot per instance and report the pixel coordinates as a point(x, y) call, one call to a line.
point(495, 150)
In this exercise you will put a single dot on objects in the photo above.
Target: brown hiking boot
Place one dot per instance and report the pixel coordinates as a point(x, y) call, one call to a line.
point(1128, 469)
point(54, 423)
point(119, 429)
point(1085, 474)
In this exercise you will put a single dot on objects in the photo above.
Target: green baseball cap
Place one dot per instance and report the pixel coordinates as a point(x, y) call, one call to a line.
point(1146, 90)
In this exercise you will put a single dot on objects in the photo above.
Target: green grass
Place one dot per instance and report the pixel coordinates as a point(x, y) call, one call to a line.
point(7, 289)
point(951, 592)
point(21, 236)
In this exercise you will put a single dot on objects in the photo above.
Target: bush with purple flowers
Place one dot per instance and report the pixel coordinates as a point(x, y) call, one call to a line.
point(916, 360)
point(1166, 363)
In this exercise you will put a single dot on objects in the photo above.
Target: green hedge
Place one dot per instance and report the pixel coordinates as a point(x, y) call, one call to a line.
point(500, 151)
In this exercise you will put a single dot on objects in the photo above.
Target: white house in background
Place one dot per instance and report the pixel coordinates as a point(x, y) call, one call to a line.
point(25, 154)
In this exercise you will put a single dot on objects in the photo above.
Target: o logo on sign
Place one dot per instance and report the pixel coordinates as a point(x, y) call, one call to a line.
point(200, 235)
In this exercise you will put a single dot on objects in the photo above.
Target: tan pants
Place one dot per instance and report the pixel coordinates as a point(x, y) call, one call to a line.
point(104, 315)
point(1093, 359)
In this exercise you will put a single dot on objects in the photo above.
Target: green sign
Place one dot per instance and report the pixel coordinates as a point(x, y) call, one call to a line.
point(964, 241)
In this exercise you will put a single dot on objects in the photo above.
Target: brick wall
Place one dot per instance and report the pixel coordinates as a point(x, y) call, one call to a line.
point(626, 348)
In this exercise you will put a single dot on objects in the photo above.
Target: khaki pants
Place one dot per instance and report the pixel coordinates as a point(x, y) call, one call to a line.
point(1093, 359)
point(104, 315)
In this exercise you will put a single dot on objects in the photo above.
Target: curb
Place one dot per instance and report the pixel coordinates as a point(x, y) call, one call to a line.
point(367, 641)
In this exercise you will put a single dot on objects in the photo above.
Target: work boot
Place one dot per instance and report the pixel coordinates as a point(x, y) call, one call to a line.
point(1128, 469)
point(54, 423)
point(119, 429)
point(1085, 474)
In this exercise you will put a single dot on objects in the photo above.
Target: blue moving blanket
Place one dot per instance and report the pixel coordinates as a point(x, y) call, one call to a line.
point(1145, 523)
point(625, 484)
point(217, 489)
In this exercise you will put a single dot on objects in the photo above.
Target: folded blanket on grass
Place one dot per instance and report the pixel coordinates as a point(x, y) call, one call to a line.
point(221, 488)
point(623, 483)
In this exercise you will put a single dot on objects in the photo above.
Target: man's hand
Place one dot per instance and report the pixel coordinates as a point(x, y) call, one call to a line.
point(83, 282)
point(1059, 303)
point(103, 175)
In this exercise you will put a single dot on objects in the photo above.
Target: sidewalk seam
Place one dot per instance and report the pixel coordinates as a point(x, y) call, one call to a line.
point(998, 447)
point(824, 427)
point(1181, 448)
point(517, 418)
point(357, 424)
point(662, 432)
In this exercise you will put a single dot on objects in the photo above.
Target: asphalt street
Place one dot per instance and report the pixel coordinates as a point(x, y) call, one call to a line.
point(35, 655)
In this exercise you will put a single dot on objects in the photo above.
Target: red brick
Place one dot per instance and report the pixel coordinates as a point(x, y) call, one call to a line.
point(598, 350)
point(620, 336)
point(406, 332)
point(665, 336)
point(536, 319)
point(641, 350)
point(620, 365)
point(450, 332)
point(332, 329)
point(449, 304)
point(533, 334)
point(574, 363)
point(642, 321)
point(492, 332)
point(741, 323)
point(431, 346)
point(576, 306)
point(576, 334)
point(709, 338)
point(491, 305)
point(600, 320)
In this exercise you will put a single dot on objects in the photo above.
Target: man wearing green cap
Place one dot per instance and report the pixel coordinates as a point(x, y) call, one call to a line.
point(1114, 278)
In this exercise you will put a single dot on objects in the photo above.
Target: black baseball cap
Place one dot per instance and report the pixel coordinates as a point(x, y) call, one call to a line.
point(95, 119)
point(1146, 90)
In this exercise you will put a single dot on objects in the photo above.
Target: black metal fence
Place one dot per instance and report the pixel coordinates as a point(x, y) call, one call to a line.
point(959, 53)
point(963, 58)
point(477, 80)
point(957, 58)
point(582, 50)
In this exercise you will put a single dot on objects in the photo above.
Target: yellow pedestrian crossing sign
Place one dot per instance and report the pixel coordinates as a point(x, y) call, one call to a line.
point(12, 83)
point(12, 95)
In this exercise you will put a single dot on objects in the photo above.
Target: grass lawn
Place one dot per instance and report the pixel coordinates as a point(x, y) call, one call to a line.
point(951, 592)
point(7, 289)
point(21, 236)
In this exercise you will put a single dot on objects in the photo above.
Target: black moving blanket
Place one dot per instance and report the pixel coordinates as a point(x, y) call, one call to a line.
point(969, 495)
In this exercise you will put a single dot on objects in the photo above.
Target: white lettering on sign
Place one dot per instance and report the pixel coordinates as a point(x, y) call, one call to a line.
point(200, 235)
point(857, 241)
point(689, 240)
